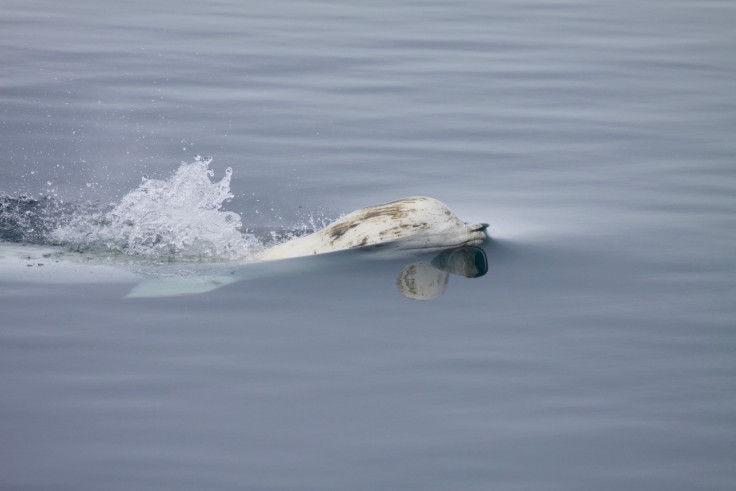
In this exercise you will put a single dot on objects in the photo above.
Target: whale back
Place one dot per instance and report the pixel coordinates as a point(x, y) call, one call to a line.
point(372, 225)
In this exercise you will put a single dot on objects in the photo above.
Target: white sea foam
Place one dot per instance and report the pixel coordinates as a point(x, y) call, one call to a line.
point(179, 218)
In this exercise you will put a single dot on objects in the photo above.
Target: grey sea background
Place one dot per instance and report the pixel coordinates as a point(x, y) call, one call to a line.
point(596, 138)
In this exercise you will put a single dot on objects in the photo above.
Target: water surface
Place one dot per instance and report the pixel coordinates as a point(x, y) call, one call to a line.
point(596, 139)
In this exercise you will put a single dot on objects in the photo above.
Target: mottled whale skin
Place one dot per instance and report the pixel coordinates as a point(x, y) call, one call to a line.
point(415, 223)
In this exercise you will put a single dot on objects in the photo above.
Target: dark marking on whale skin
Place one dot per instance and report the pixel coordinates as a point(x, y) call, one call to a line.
point(394, 210)
point(339, 229)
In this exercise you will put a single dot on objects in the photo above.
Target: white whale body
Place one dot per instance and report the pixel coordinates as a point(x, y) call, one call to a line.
point(411, 226)
point(415, 223)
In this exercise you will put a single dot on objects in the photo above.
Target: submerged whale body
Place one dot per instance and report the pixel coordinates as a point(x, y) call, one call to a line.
point(415, 223)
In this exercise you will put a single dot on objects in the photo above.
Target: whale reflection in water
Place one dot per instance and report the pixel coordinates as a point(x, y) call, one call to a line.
point(426, 280)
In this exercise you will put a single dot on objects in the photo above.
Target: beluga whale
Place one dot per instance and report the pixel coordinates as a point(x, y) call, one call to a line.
point(412, 226)
point(409, 226)
point(417, 223)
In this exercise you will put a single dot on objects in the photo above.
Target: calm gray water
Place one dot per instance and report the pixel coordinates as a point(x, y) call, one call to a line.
point(596, 138)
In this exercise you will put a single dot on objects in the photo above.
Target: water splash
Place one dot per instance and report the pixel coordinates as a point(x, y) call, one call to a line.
point(177, 218)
